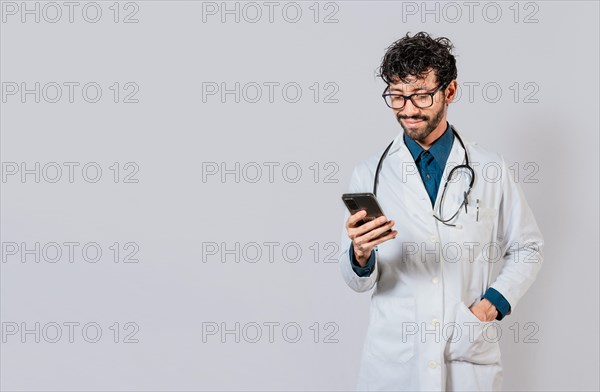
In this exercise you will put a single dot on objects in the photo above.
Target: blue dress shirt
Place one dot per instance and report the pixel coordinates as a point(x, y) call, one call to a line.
point(431, 164)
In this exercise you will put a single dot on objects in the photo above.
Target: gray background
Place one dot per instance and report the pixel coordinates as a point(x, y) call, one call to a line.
point(549, 132)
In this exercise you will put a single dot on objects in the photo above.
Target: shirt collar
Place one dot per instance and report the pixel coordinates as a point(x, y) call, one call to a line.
point(440, 148)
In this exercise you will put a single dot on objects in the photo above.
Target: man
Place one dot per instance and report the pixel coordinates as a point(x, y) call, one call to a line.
point(459, 255)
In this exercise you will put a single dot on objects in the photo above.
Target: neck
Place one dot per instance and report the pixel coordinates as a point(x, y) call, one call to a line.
point(434, 135)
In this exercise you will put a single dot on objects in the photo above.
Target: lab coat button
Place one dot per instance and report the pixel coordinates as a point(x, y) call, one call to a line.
point(432, 364)
point(433, 238)
point(435, 322)
point(435, 280)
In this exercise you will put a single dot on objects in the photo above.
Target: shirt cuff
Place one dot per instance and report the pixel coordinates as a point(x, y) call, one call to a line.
point(358, 270)
point(498, 300)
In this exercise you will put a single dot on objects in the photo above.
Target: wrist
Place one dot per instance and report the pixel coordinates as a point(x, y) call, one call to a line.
point(360, 258)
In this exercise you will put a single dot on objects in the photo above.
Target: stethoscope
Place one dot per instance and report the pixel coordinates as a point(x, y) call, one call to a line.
point(454, 170)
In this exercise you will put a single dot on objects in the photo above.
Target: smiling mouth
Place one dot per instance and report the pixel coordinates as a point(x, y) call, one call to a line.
point(412, 121)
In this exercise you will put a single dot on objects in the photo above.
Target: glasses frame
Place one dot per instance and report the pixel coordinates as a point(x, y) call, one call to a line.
point(407, 97)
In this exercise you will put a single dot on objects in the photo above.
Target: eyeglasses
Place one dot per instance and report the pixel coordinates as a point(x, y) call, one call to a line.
point(420, 100)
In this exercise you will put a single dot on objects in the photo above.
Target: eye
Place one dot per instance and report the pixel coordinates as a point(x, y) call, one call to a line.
point(421, 98)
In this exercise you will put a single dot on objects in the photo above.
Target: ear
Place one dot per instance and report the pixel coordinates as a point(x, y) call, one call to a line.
point(451, 91)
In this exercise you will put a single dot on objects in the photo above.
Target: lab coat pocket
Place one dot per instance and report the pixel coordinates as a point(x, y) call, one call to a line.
point(392, 329)
point(473, 340)
point(476, 229)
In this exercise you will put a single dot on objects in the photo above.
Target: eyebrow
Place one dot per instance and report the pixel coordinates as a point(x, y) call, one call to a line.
point(418, 88)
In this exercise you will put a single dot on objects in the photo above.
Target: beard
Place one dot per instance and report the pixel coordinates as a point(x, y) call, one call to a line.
point(420, 131)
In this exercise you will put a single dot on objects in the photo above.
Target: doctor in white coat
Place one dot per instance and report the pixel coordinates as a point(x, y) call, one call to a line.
point(464, 246)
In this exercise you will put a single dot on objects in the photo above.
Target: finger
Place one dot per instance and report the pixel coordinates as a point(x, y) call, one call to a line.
point(492, 312)
point(490, 315)
point(375, 242)
point(367, 241)
point(364, 244)
point(365, 228)
point(354, 218)
point(374, 233)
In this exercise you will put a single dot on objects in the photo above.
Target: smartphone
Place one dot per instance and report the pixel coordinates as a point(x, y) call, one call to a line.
point(364, 201)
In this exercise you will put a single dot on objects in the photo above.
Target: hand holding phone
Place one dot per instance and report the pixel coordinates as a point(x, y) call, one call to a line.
point(367, 226)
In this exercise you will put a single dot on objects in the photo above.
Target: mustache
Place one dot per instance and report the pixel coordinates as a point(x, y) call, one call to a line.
point(424, 118)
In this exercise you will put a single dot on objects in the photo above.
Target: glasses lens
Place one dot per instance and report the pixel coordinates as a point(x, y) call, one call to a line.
point(422, 100)
point(395, 101)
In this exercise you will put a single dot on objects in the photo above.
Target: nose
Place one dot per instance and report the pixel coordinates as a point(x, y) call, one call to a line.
point(409, 109)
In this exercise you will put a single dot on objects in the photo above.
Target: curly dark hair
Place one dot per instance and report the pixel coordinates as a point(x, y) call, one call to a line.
point(416, 56)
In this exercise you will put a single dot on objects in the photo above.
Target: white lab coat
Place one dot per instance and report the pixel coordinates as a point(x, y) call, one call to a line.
point(422, 335)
